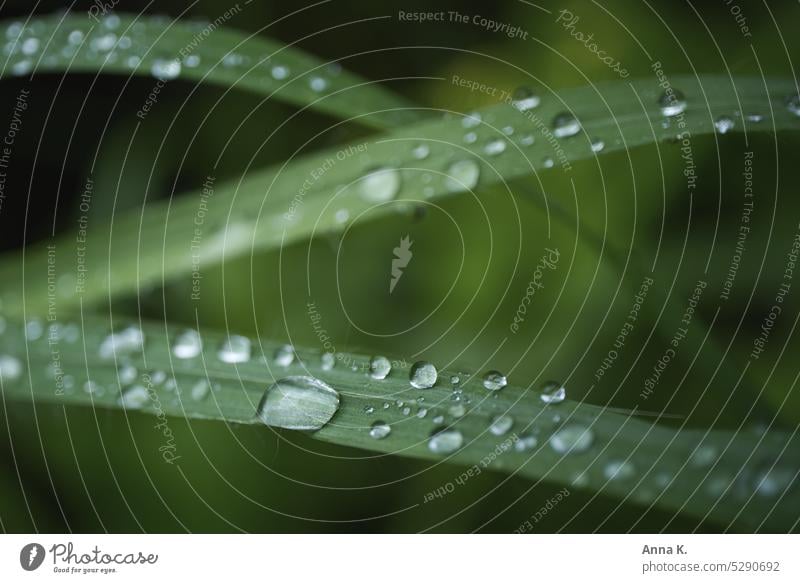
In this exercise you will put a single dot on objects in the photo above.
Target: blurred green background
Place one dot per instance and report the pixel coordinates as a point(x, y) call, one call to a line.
point(86, 470)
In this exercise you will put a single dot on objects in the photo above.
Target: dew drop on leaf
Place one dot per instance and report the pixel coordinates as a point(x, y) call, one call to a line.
point(724, 124)
point(524, 98)
point(501, 425)
point(619, 470)
point(166, 69)
point(565, 125)
point(462, 175)
point(423, 375)
point(298, 402)
point(284, 355)
point(572, 438)
point(380, 185)
point(553, 392)
point(379, 367)
point(672, 103)
point(135, 397)
point(188, 344)
point(10, 368)
point(122, 343)
point(445, 441)
point(471, 120)
point(379, 430)
point(234, 349)
point(793, 104)
point(495, 147)
point(494, 380)
point(200, 390)
point(526, 443)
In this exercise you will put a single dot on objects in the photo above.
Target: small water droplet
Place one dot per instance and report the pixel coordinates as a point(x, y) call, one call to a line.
point(672, 103)
point(298, 402)
point(327, 361)
point(200, 390)
point(619, 470)
point(598, 145)
point(34, 329)
point(724, 124)
point(421, 151)
point(565, 125)
point(754, 117)
point(454, 380)
point(422, 413)
point(75, 37)
point(406, 411)
point(445, 441)
point(379, 430)
point(188, 344)
point(774, 480)
point(471, 120)
point(470, 138)
point(10, 368)
point(93, 388)
point(279, 72)
point(548, 162)
point(703, 456)
point(793, 104)
point(192, 61)
point(462, 175)
point(104, 43)
point(553, 392)
point(526, 140)
point(127, 373)
point(439, 419)
point(379, 367)
point(572, 438)
point(284, 355)
point(526, 443)
point(165, 69)
point(495, 147)
point(524, 98)
point(135, 397)
point(122, 343)
point(318, 84)
point(369, 409)
point(235, 349)
point(423, 375)
point(508, 130)
point(494, 380)
point(501, 425)
point(458, 410)
point(30, 46)
point(380, 185)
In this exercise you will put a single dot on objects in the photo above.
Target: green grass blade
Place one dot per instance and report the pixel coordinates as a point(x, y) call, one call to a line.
point(733, 479)
point(200, 52)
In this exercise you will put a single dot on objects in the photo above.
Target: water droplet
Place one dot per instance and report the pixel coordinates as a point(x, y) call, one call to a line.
point(379, 430)
point(379, 367)
point(327, 361)
point(524, 98)
point(234, 349)
point(703, 456)
point(553, 392)
point(279, 72)
point(93, 388)
point(672, 103)
point(200, 390)
point(526, 443)
point(422, 413)
point(10, 368)
point(793, 104)
point(470, 138)
point(501, 424)
point(188, 344)
point(439, 419)
point(192, 61)
point(471, 120)
point(406, 411)
point(508, 130)
point(548, 162)
point(598, 145)
point(421, 151)
point(298, 402)
point(158, 377)
point(165, 69)
point(380, 185)
point(772, 481)
point(495, 147)
point(454, 380)
point(572, 438)
point(34, 329)
point(104, 43)
point(526, 140)
point(127, 373)
point(284, 355)
point(754, 117)
point(423, 375)
point(494, 380)
point(134, 397)
point(318, 84)
point(75, 37)
point(462, 175)
point(445, 441)
point(30, 46)
point(565, 125)
point(619, 470)
point(124, 342)
point(724, 124)
point(458, 410)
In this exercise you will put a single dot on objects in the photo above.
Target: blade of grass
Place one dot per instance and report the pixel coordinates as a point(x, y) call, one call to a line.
point(201, 52)
point(739, 479)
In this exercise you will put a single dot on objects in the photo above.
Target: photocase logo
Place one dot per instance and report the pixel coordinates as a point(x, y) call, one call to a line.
point(31, 556)
point(402, 255)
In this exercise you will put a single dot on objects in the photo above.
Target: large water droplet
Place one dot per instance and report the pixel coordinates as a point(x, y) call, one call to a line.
point(445, 441)
point(188, 344)
point(553, 392)
point(166, 69)
point(423, 375)
point(524, 98)
point(572, 438)
point(379, 367)
point(379, 430)
point(501, 425)
point(234, 349)
point(298, 402)
point(124, 342)
point(380, 185)
point(10, 368)
point(672, 103)
point(565, 125)
point(494, 380)
point(462, 175)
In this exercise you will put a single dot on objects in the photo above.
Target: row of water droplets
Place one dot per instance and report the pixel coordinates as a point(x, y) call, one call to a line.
point(112, 41)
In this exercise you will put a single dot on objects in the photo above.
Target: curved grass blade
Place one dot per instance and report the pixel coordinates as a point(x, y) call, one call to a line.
point(202, 52)
point(742, 480)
